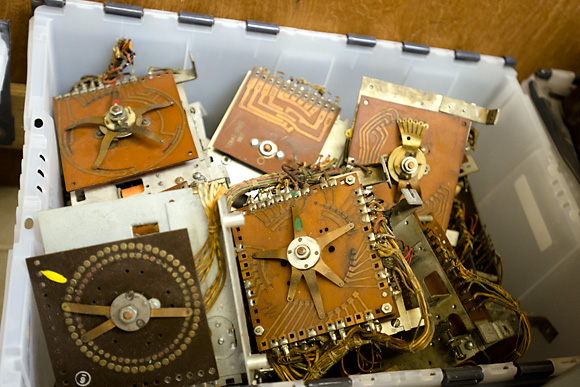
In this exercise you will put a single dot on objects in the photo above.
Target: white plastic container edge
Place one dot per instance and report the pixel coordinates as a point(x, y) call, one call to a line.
point(66, 43)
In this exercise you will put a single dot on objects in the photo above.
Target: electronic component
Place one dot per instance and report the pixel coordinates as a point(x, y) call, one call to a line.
point(272, 120)
point(66, 228)
point(194, 171)
point(421, 137)
point(107, 133)
point(321, 233)
point(125, 312)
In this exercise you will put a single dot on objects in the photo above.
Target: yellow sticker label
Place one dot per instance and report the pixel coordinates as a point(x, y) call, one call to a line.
point(54, 276)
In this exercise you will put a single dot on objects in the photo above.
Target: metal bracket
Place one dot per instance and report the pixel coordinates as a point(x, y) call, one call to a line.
point(372, 175)
point(404, 208)
point(180, 76)
point(545, 326)
point(423, 100)
point(386, 169)
point(468, 56)
point(196, 18)
point(113, 8)
point(416, 48)
point(262, 27)
point(361, 40)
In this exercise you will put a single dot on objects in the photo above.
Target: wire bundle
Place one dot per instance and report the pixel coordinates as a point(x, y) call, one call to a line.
point(122, 57)
point(474, 247)
point(209, 194)
point(300, 176)
point(487, 292)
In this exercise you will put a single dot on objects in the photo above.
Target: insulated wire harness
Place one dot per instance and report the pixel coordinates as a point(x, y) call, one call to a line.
point(487, 292)
point(122, 57)
point(474, 249)
point(300, 175)
point(209, 194)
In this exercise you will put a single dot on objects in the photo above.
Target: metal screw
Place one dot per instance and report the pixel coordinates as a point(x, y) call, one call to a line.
point(350, 180)
point(154, 303)
point(280, 155)
point(197, 176)
point(387, 307)
point(385, 294)
point(259, 330)
point(218, 324)
point(254, 142)
point(211, 371)
point(140, 323)
point(396, 323)
point(469, 345)
point(221, 341)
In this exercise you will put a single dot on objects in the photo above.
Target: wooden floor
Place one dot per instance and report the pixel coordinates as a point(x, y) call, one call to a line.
point(538, 33)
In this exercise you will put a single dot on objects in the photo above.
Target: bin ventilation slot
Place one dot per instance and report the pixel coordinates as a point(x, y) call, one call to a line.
point(468, 56)
point(113, 8)
point(416, 48)
point(361, 40)
point(262, 27)
point(196, 18)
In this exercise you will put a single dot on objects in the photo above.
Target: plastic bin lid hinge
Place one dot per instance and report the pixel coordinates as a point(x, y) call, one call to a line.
point(468, 56)
point(416, 48)
point(361, 40)
point(51, 3)
point(127, 10)
point(262, 27)
point(544, 74)
point(510, 61)
point(196, 18)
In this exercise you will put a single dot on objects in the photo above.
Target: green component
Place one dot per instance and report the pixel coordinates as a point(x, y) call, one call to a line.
point(298, 224)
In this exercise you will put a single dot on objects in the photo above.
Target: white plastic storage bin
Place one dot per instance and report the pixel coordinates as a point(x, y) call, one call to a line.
point(524, 191)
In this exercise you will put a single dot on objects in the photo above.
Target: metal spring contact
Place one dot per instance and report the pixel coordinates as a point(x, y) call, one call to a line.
point(298, 90)
point(95, 86)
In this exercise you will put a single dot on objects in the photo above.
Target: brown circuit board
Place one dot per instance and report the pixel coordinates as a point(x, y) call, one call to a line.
point(334, 214)
point(376, 133)
point(164, 138)
point(81, 294)
point(271, 120)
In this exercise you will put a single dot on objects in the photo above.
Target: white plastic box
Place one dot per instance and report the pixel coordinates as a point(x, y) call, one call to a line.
point(524, 192)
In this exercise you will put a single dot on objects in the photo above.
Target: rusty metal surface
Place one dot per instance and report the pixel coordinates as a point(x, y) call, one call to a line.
point(137, 153)
point(269, 108)
point(376, 133)
point(170, 351)
point(322, 211)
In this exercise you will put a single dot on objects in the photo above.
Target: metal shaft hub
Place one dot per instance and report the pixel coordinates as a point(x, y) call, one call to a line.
point(303, 253)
